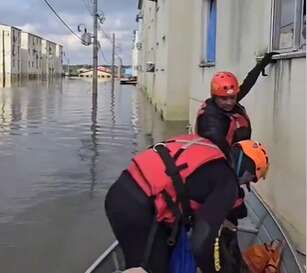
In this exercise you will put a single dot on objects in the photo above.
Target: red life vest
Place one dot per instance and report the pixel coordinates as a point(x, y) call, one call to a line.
point(148, 169)
point(237, 121)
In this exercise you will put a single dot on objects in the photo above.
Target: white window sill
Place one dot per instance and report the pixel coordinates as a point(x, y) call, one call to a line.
point(286, 55)
point(206, 64)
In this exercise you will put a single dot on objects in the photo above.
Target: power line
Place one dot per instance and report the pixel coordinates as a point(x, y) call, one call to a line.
point(107, 36)
point(58, 16)
point(103, 57)
point(87, 6)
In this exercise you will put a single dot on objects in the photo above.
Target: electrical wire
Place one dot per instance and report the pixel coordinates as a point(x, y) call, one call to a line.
point(87, 6)
point(108, 37)
point(58, 16)
point(104, 58)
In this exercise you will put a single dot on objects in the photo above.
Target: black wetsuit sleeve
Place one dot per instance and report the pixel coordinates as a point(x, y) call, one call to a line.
point(250, 80)
point(220, 194)
point(253, 75)
point(213, 127)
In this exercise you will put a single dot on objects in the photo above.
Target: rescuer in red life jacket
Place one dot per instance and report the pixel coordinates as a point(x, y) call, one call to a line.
point(185, 180)
point(221, 118)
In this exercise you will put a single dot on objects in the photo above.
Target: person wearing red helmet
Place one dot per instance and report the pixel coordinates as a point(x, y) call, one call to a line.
point(183, 181)
point(221, 118)
point(224, 121)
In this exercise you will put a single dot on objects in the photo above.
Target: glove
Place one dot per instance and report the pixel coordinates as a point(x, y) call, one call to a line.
point(267, 59)
point(246, 178)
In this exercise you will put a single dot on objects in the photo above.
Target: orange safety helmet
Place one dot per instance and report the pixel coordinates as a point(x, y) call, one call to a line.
point(224, 84)
point(258, 154)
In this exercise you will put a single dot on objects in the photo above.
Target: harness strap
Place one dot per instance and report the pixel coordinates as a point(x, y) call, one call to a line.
point(149, 244)
point(171, 241)
point(173, 171)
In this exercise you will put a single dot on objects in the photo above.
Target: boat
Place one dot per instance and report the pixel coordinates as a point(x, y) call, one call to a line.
point(130, 80)
point(259, 227)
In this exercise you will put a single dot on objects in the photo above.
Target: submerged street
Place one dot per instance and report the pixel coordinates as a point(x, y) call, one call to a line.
point(59, 155)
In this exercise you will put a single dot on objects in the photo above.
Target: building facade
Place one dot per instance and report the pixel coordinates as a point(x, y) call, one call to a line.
point(135, 53)
point(164, 54)
point(102, 73)
point(24, 55)
point(31, 56)
point(10, 54)
point(188, 41)
point(49, 59)
point(59, 60)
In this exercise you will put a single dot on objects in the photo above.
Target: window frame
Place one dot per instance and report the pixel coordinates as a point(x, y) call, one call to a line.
point(205, 13)
point(298, 44)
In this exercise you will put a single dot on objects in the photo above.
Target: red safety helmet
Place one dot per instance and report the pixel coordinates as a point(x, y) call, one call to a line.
point(224, 84)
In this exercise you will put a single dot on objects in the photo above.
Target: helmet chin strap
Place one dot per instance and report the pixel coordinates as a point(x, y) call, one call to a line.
point(239, 163)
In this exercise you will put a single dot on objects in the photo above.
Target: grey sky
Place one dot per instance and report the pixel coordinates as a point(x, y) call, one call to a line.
point(34, 16)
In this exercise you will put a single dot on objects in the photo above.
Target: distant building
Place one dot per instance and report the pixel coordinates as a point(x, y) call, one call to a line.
point(59, 60)
point(31, 55)
point(49, 59)
point(10, 55)
point(27, 56)
point(135, 52)
point(102, 72)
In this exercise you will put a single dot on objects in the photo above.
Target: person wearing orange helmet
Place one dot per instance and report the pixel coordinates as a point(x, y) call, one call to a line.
point(221, 118)
point(185, 181)
point(224, 121)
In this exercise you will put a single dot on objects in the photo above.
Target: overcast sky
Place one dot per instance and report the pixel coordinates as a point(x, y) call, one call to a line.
point(34, 16)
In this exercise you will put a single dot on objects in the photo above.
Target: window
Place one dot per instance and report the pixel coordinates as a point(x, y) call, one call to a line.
point(209, 31)
point(289, 29)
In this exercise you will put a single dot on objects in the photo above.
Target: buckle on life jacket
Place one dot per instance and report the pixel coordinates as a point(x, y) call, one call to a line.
point(158, 144)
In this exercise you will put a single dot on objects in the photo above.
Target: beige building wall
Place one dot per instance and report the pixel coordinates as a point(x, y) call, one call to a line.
point(59, 60)
point(25, 55)
point(148, 48)
point(31, 55)
point(15, 53)
point(48, 59)
point(135, 52)
point(10, 54)
point(276, 104)
point(166, 35)
point(140, 55)
point(179, 58)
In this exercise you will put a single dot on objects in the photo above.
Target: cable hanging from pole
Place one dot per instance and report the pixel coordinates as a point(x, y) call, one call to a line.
point(65, 24)
point(87, 6)
point(107, 36)
point(104, 58)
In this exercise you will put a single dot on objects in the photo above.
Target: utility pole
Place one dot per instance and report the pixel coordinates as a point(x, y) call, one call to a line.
point(95, 49)
point(3, 59)
point(119, 72)
point(68, 66)
point(113, 60)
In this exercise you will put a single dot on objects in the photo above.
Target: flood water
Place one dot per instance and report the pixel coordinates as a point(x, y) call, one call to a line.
point(58, 157)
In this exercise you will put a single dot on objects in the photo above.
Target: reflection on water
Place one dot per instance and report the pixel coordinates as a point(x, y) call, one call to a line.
point(60, 150)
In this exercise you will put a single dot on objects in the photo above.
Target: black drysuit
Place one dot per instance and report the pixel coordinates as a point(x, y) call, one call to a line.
point(131, 215)
point(213, 123)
